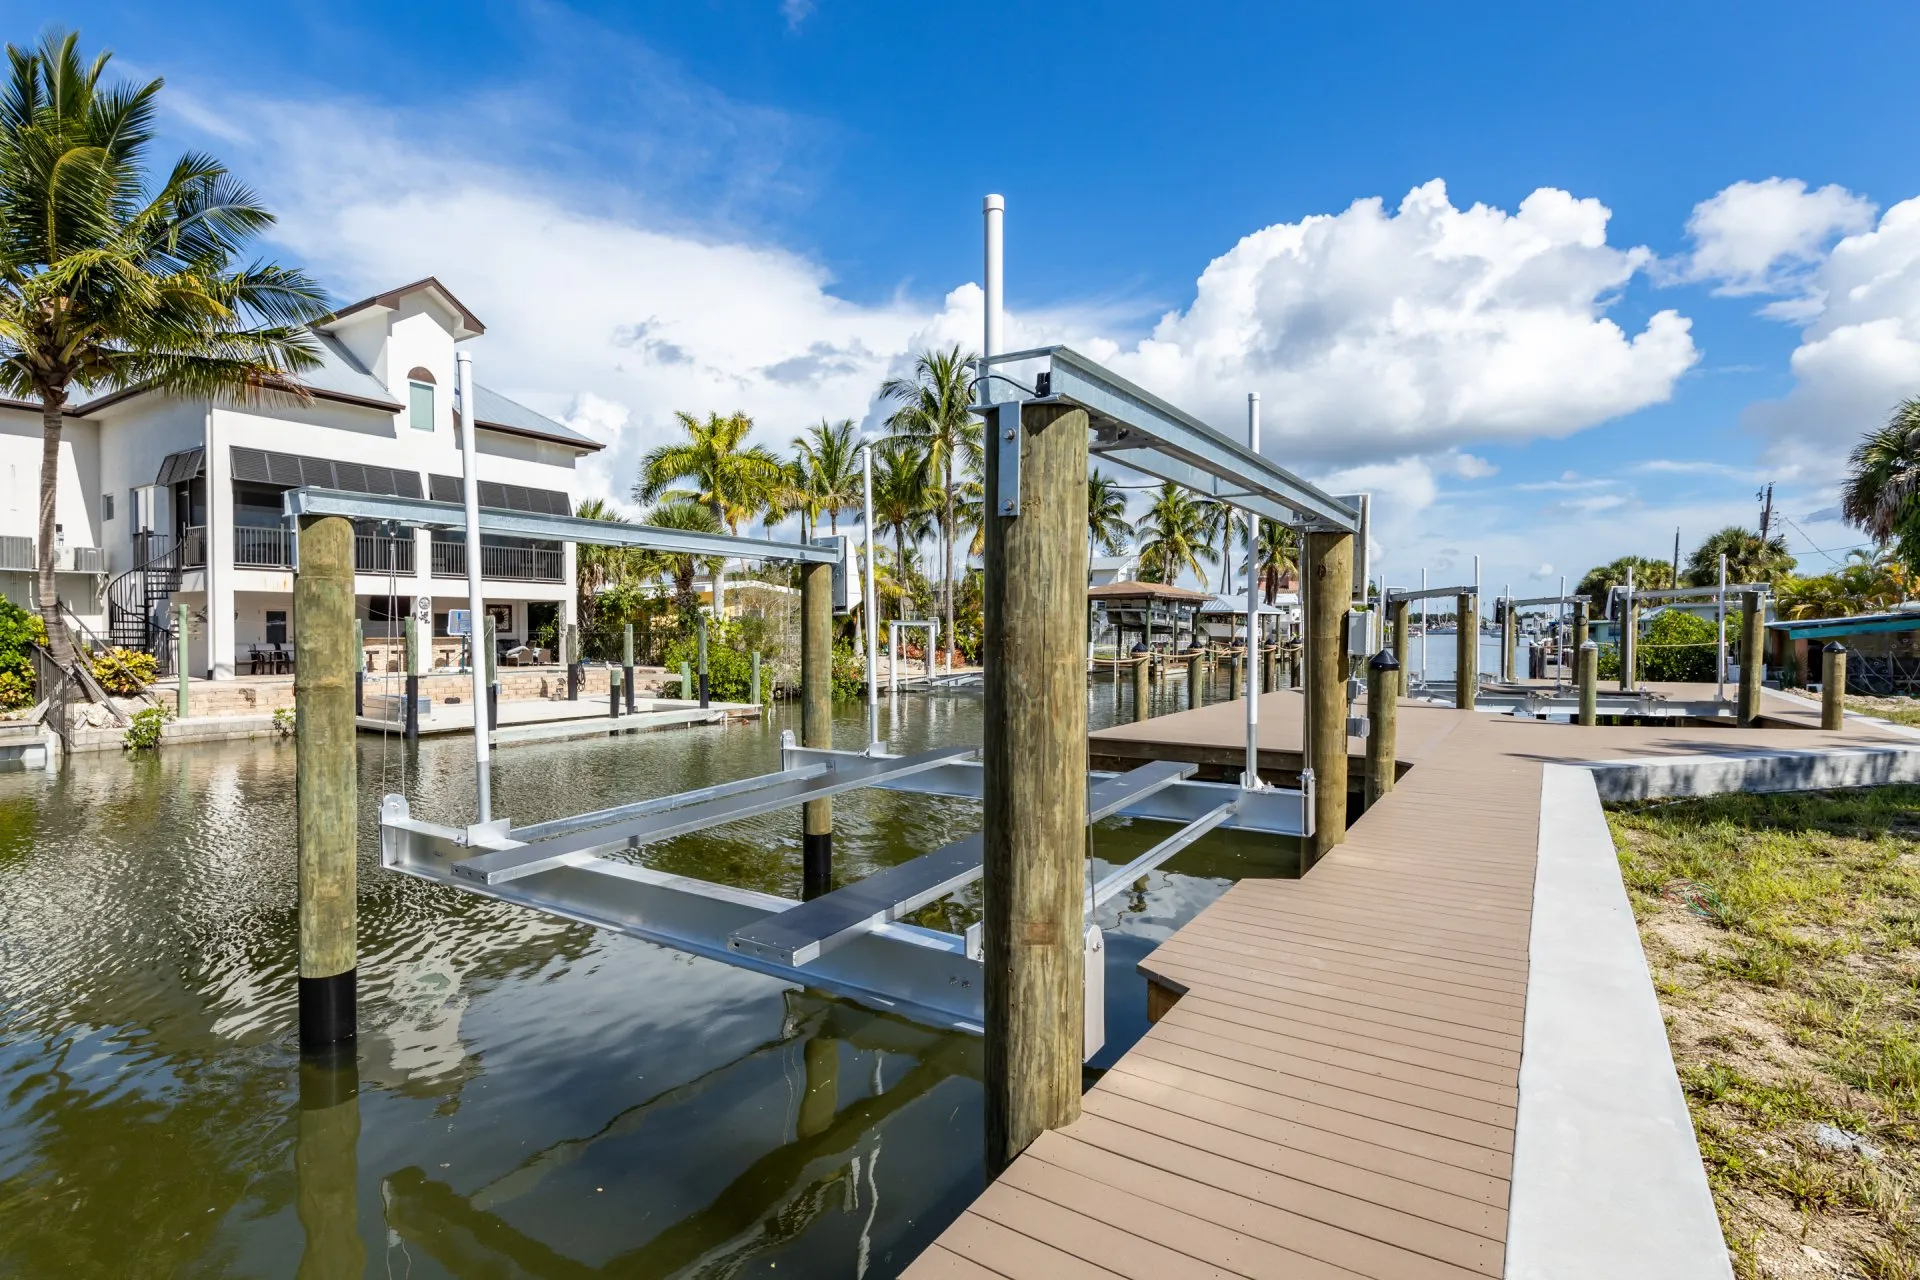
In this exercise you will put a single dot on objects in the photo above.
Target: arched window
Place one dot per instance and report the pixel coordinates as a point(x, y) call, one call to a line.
point(420, 399)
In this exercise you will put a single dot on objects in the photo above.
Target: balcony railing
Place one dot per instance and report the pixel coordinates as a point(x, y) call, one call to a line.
point(501, 564)
point(262, 547)
point(375, 554)
point(193, 547)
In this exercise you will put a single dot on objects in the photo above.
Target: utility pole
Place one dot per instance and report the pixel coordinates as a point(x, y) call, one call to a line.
point(1676, 557)
point(1766, 510)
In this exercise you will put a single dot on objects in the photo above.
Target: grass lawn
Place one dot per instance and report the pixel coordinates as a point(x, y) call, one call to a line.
point(1898, 710)
point(1783, 932)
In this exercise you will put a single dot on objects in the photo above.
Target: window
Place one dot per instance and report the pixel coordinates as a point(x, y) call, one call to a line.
point(420, 406)
point(276, 626)
point(106, 506)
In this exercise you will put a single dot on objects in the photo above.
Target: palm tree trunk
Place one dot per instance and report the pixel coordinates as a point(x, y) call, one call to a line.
point(57, 644)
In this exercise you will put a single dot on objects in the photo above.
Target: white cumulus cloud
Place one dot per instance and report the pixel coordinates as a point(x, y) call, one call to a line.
point(1765, 237)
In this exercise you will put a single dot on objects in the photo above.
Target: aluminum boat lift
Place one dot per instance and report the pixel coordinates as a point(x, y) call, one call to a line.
point(855, 941)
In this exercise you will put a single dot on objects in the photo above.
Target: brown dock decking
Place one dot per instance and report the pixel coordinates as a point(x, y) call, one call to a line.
point(1336, 1091)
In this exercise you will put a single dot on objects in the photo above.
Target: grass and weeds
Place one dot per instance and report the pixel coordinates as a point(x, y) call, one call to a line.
point(1783, 933)
point(1898, 710)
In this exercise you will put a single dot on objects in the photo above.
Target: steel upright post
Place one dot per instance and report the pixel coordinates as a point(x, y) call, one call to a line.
point(491, 652)
point(1466, 652)
point(1329, 589)
point(1833, 685)
point(326, 799)
point(1587, 672)
point(1383, 704)
point(626, 664)
point(1753, 624)
point(1195, 698)
point(816, 720)
point(180, 622)
point(1035, 806)
point(1720, 635)
point(1397, 615)
point(1629, 635)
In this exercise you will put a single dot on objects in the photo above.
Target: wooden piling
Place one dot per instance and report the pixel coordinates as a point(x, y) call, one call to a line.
point(1579, 624)
point(1270, 673)
point(1383, 704)
point(1233, 676)
point(1833, 685)
point(755, 691)
point(326, 1167)
point(1143, 688)
point(572, 658)
point(181, 621)
point(1329, 591)
point(613, 693)
point(1397, 618)
point(816, 720)
point(1586, 667)
point(1753, 623)
point(490, 654)
point(820, 1096)
point(410, 716)
point(1509, 641)
point(325, 786)
point(1466, 651)
point(1196, 698)
point(1035, 804)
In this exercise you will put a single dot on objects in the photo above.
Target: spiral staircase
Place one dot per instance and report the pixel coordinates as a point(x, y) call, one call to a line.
point(139, 600)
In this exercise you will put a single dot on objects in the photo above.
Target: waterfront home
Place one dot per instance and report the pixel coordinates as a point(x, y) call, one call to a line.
point(166, 501)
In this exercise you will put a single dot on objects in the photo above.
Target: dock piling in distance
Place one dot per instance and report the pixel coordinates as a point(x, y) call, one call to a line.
point(1833, 686)
point(702, 639)
point(1233, 676)
point(686, 681)
point(1035, 802)
point(1143, 688)
point(626, 665)
point(326, 782)
point(1383, 695)
point(1509, 641)
point(755, 690)
point(1753, 624)
point(570, 638)
point(816, 720)
point(181, 621)
point(1271, 671)
point(1466, 651)
point(1195, 697)
point(613, 693)
point(490, 650)
point(1587, 672)
point(1402, 636)
point(1580, 607)
point(410, 717)
point(1329, 590)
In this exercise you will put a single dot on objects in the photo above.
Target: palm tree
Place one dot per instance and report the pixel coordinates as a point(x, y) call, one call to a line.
point(1749, 559)
point(1107, 527)
point(903, 496)
point(935, 413)
point(1648, 574)
point(693, 516)
point(1824, 596)
point(734, 480)
point(1176, 540)
point(107, 282)
point(1220, 520)
point(598, 567)
point(828, 461)
point(1279, 548)
point(1882, 490)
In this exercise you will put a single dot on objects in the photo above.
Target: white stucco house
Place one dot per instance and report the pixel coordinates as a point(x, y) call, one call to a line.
point(166, 501)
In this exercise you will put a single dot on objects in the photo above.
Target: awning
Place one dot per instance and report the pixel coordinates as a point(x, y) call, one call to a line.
point(178, 468)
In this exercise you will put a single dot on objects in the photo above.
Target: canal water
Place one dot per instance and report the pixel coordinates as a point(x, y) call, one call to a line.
point(528, 1097)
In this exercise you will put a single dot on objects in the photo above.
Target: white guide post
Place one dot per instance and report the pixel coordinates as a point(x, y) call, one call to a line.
point(1475, 649)
point(1629, 638)
point(1720, 643)
point(872, 611)
point(1423, 629)
point(476, 598)
point(993, 209)
point(1251, 778)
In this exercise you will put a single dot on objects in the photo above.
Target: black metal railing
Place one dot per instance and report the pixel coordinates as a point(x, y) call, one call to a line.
point(500, 563)
point(193, 547)
point(262, 547)
point(375, 554)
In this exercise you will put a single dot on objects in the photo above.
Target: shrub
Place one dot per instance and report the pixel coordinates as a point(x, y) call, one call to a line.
point(124, 672)
point(283, 721)
point(1675, 646)
point(144, 733)
point(729, 662)
point(20, 631)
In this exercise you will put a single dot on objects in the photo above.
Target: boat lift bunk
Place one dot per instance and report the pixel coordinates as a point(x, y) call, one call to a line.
point(855, 941)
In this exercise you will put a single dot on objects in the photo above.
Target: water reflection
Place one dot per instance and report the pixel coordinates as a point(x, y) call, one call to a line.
point(530, 1096)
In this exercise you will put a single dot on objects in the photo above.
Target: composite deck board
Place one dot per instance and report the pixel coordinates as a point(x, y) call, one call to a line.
point(1334, 1093)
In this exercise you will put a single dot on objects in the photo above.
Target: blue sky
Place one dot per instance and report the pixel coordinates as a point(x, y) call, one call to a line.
point(767, 205)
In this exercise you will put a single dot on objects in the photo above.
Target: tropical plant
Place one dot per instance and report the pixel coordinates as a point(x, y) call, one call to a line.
point(734, 480)
point(827, 461)
point(1823, 596)
point(1648, 575)
point(1107, 527)
point(903, 496)
point(935, 413)
point(124, 672)
point(20, 633)
point(107, 280)
point(1750, 558)
point(1279, 548)
point(143, 733)
point(690, 516)
point(1225, 523)
point(729, 661)
point(1882, 491)
point(1174, 537)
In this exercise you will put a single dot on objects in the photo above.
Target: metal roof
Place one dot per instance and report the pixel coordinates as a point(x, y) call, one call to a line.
point(1858, 624)
point(1128, 589)
point(497, 413)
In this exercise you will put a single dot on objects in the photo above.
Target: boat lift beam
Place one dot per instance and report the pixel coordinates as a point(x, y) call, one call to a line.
point(1430, 593)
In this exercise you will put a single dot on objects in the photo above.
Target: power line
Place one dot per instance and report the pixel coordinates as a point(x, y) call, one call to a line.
point(1828, 554)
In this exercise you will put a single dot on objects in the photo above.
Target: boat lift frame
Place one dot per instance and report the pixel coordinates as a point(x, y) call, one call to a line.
point(855, 941)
